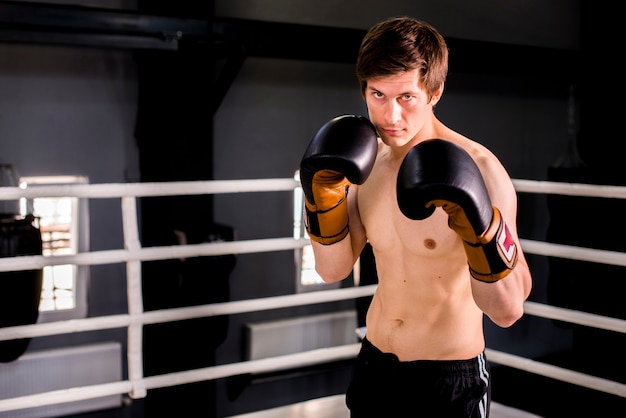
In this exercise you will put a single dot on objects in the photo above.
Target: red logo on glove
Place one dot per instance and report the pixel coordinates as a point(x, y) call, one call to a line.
point(506, 243)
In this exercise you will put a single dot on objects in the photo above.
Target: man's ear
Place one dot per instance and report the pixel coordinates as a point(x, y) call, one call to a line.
point(434, 99)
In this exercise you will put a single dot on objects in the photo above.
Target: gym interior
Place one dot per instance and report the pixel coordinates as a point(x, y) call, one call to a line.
point(174, 131)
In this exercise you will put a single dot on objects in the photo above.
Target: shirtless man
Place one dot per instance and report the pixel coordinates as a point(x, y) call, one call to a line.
point(439, 211)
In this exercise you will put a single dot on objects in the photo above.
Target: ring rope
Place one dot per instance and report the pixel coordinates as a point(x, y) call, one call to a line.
point(154, 253)
point(305, 358)
point(571, 189)
point(559, 373)
point(575, 317)
point(179, 314)
point(268, 303)
point(135, 299)
point(185, 188)
point(574, 253)
point(266, 245)
point(137, 385)
point(170, 188)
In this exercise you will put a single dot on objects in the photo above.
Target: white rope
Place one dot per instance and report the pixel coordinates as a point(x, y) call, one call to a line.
point(133, 254)
point(571, 189)
point(134, 296)
point(558, 373)
point(65, 327)
point(172, 188)
point(305, 358)
point(302, 359)
point(265, 245)
point(575, 317)
point(154, 253)
point(113, 190)
point(179, 314)
point(268, 303)
point(574, 253)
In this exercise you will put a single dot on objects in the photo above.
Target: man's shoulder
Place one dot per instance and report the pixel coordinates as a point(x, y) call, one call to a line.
point(479, 152)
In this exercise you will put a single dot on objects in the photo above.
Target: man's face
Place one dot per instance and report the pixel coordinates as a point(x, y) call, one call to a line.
point(398, 106)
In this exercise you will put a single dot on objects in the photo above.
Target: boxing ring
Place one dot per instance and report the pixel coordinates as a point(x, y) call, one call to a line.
point(136, 384)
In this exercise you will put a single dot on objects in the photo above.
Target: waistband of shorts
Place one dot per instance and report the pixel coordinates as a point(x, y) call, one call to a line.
point(472, 365)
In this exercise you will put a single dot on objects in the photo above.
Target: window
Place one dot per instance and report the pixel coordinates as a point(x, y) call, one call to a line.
point(307, 278)
point(63, 225)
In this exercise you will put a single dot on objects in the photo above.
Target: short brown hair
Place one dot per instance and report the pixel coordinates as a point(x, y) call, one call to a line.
point(403, 44)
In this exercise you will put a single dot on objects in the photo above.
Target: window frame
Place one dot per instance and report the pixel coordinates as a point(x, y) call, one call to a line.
point(79, 232)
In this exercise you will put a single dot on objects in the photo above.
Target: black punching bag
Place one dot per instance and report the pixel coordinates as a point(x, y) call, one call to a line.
point(21, 290)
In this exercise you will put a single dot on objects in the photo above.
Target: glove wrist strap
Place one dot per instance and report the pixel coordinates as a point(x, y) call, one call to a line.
point(496, 256)
point(328, 226)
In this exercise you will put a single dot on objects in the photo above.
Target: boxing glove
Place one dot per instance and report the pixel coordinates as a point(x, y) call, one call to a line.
point(439, 173)
point(340, 154)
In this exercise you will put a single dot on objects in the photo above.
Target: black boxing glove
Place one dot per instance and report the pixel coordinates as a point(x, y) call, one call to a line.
point(341, 153)
point(440, 173)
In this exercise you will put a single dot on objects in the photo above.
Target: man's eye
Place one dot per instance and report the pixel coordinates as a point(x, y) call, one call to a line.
point(407, 97)
point(378, 94)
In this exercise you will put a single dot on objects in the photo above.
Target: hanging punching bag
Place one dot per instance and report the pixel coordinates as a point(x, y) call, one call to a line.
point(20, 290)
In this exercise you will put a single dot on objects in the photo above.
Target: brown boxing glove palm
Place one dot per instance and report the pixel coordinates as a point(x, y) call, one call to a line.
point(327, 216)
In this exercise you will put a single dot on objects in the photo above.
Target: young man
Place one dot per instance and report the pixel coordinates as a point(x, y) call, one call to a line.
point(439, 211)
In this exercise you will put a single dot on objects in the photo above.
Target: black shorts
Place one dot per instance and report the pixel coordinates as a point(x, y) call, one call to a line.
point(382, 386)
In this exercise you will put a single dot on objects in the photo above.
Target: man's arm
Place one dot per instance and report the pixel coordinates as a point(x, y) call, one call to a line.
point(339, 157)
point(503, 301)
point(335, 262)
point(481, 207)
